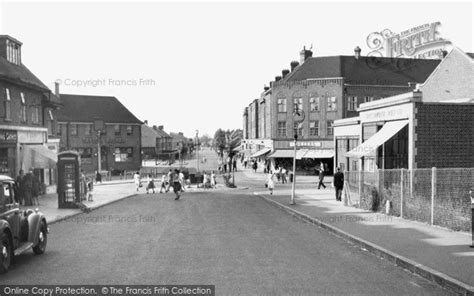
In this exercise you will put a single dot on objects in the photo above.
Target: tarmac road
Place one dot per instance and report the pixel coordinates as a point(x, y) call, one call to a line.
point(230, 239)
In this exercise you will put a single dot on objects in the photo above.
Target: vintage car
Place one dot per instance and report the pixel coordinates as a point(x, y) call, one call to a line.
point(20, 230)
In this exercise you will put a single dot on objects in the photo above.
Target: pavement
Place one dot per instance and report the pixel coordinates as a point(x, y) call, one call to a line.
point(438, 254)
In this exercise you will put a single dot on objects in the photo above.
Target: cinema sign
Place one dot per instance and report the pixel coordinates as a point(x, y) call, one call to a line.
point(421, 42)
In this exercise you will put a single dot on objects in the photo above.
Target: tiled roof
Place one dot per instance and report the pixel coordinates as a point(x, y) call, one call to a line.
point(162, 133)
point(20, 74)
point(365, 70)
point(84, 108)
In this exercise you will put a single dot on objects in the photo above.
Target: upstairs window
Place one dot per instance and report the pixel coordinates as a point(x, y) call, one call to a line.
point(282, 129)
point(7, 102)
point(297, 104)
point(332, 106)
point(314, 128)
point(330, 128)
point(87, 129)
point(73, 129)
point(281, 105)
point(352, 103)
point(314, 104)
point(117, 129)
point(129, 130)
point(298, 129)
point(23, 107)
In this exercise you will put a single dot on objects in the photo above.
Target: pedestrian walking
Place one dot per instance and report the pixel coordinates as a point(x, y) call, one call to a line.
point(36, 188)
point(213, 180)
point(182, 181)
point(234, 164)
point(225, 167)
point(321, 179)
point(176, 184)
point(254, 166)
point(170, 180)
point(82, 185)
point(136, 180)
point(245, 163)
point(151, 184)
point(270, 182)
point(98, 177)
point(163, 183)
point(27, 184)
point(90, 188)
point(20, 194)
point(338, 183)
point(283, 176)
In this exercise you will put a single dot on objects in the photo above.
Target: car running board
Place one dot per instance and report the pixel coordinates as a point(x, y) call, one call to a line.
point(23, 248)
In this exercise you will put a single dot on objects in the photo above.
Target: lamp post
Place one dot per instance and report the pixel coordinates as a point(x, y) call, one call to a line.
point(298, 115)
point(197, 149)
point(99, 126)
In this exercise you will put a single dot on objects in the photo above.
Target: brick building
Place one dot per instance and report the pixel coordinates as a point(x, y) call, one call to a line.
point(432, 126)
point(156, 143)
point(325, 89)
point(27, 117)
point(85, 120)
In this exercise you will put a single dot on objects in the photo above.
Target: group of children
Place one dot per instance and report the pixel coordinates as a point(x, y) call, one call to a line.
point(174, 179)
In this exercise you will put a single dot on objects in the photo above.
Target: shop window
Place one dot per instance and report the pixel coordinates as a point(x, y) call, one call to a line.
point(59, 130)
point(368, 99)
point(331, 101)
point(282, 128)
point(117, 129)
point(352, 103)
point(314, 128)
point(123, 154)
point(129, 130)
point(7, 103)
point(330, 128)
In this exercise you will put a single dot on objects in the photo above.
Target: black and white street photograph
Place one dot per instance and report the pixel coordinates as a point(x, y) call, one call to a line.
point(236, 147)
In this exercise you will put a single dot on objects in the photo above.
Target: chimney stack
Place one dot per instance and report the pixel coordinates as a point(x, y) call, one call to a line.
point(293, 65)
point(357, 52)
point(265, 88)
point(277, 78)
point(145, 122)
point(284, 72)
point(305, 54)
point(56, 88)
point(160, 127)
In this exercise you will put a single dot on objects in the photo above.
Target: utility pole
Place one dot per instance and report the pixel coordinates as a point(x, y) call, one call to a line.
point(99, 160)
point(197, 149)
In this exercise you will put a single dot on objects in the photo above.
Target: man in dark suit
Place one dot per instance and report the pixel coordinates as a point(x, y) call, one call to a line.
point(338, 183)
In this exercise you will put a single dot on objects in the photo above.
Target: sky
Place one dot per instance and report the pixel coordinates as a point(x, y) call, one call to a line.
point(196, 65)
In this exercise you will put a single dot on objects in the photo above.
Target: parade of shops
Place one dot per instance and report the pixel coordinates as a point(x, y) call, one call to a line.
point(432, 126)
point(27, 118)
point(322, 90)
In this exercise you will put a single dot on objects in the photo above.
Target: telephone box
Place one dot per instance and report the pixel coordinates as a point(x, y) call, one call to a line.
point(69, 195)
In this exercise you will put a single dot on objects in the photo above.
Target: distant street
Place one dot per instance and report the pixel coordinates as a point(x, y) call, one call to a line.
point(231, 239)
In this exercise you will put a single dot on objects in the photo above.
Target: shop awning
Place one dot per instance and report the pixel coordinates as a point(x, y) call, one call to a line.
point(314, 153)
point(261, 152)
point(38, 156)
point(282, 154)
point(389, 130)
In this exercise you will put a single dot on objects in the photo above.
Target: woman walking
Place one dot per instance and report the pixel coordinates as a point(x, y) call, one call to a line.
point(213, 180)
point(136, 180)
point(270, 182)
point(176, 184)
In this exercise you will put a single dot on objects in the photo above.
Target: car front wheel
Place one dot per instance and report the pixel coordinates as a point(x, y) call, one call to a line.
point(5, 253)
point(42, 240)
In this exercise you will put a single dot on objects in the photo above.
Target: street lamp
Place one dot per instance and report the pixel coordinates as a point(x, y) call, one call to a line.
point(298, 116)
point(197, 149)
point(99, 126)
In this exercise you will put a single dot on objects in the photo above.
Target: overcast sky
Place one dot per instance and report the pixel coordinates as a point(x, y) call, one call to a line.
point(196, 65)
